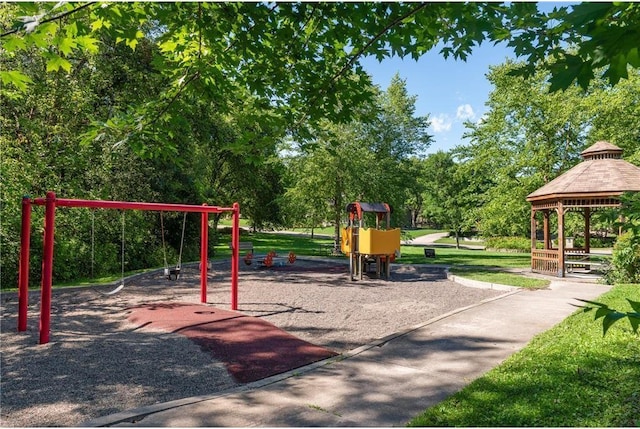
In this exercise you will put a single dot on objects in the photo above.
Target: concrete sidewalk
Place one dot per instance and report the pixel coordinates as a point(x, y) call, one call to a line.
point(425, 240)
point(385, 383)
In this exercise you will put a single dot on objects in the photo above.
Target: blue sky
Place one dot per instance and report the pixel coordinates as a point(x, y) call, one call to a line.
point(449, 91)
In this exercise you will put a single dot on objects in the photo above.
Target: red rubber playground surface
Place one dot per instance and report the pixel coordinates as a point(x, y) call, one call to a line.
point(251, 348)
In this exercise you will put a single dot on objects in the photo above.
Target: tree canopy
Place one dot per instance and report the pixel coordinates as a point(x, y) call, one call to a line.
point(300, 61)
point(191, 102)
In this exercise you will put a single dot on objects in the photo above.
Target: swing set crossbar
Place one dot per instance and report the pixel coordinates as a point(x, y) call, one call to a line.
point(128, 205)
point(51, 202)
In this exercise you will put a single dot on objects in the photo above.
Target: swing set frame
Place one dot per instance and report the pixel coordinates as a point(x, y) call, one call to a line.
point(50, 202)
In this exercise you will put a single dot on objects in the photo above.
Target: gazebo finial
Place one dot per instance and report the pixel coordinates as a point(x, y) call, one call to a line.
point(602, 150)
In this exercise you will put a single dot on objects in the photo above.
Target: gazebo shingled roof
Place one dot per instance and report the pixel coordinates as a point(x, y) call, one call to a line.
point(595, 183)
point(601, 172)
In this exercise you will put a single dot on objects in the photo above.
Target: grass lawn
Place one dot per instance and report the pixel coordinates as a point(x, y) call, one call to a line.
point(568, 376)
point(327, 230)
point(453, 256)
point(281, 243)
point(229, 222)
point(500, 277)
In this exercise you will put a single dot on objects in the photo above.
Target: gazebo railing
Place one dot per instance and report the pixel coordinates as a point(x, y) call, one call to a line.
point(579, 259)
point(545, 261)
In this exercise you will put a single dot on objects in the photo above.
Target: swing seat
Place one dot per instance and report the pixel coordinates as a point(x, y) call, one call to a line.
point(175, 272)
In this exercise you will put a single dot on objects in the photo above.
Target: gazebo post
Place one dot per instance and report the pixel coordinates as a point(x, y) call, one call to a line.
point(560, 239)
point(587, 230)
point(534, 229)
point(547, 236)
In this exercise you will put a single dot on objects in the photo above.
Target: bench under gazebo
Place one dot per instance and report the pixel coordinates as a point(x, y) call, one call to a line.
point(594, 184)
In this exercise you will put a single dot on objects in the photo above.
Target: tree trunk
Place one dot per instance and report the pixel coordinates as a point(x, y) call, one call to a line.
point(336, 231)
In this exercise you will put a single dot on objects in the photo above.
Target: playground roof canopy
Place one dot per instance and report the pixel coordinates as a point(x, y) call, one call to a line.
point(368, 207)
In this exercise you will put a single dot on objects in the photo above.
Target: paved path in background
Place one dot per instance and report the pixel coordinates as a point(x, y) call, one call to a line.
point(425, 240)
point(385, 383)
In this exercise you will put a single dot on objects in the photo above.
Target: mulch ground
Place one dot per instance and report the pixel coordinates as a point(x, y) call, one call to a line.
point(155, 342)
point(251, 348)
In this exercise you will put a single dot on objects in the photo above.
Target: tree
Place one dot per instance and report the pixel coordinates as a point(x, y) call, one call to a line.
point(302, 59)
point(306, 195)
point(574, 44)
point(39, 134)
point(450, 192)
point(615, 112)
point(396, 137)
point(335, 173)
point(368, 159)
point(415, 188)
point(41, 139)
point(530, 136)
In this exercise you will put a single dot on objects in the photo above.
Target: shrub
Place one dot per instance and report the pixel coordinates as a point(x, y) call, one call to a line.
point(518, 244)
point(595, 242)
point(625, 261)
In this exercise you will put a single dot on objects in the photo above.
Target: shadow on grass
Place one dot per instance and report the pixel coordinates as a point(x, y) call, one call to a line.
point(570, 375)
point(557, 392)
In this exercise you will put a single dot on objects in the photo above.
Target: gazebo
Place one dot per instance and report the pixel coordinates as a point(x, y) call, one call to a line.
point(594, 184)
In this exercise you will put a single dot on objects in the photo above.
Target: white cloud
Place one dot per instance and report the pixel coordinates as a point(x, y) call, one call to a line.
point(441, 123)
point(464, 112)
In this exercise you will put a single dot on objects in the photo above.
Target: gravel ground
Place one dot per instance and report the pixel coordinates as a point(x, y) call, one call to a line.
point(98, 363)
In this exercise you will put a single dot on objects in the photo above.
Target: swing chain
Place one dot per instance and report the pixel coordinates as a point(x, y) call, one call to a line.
point(184, 223)
point(176, 271)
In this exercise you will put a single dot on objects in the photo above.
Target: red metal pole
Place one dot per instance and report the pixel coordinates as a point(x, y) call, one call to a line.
point(23, 273)
point(129, 205)
point(47, 267)
point(235, 240)
point(204, 249)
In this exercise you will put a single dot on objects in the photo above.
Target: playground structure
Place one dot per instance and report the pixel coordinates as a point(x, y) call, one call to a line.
point(366, 246)
point(51, 202)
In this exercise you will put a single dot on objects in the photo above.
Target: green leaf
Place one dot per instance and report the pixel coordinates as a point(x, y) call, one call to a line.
point(16, 78)
point(89, 43)
point(67, 45)
point(168, 46)
point(564, 72)
point(13, 43)
point(55, 62)
point(72, 29)
point(97, 24)
point(587, 12)
point(633, 57)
